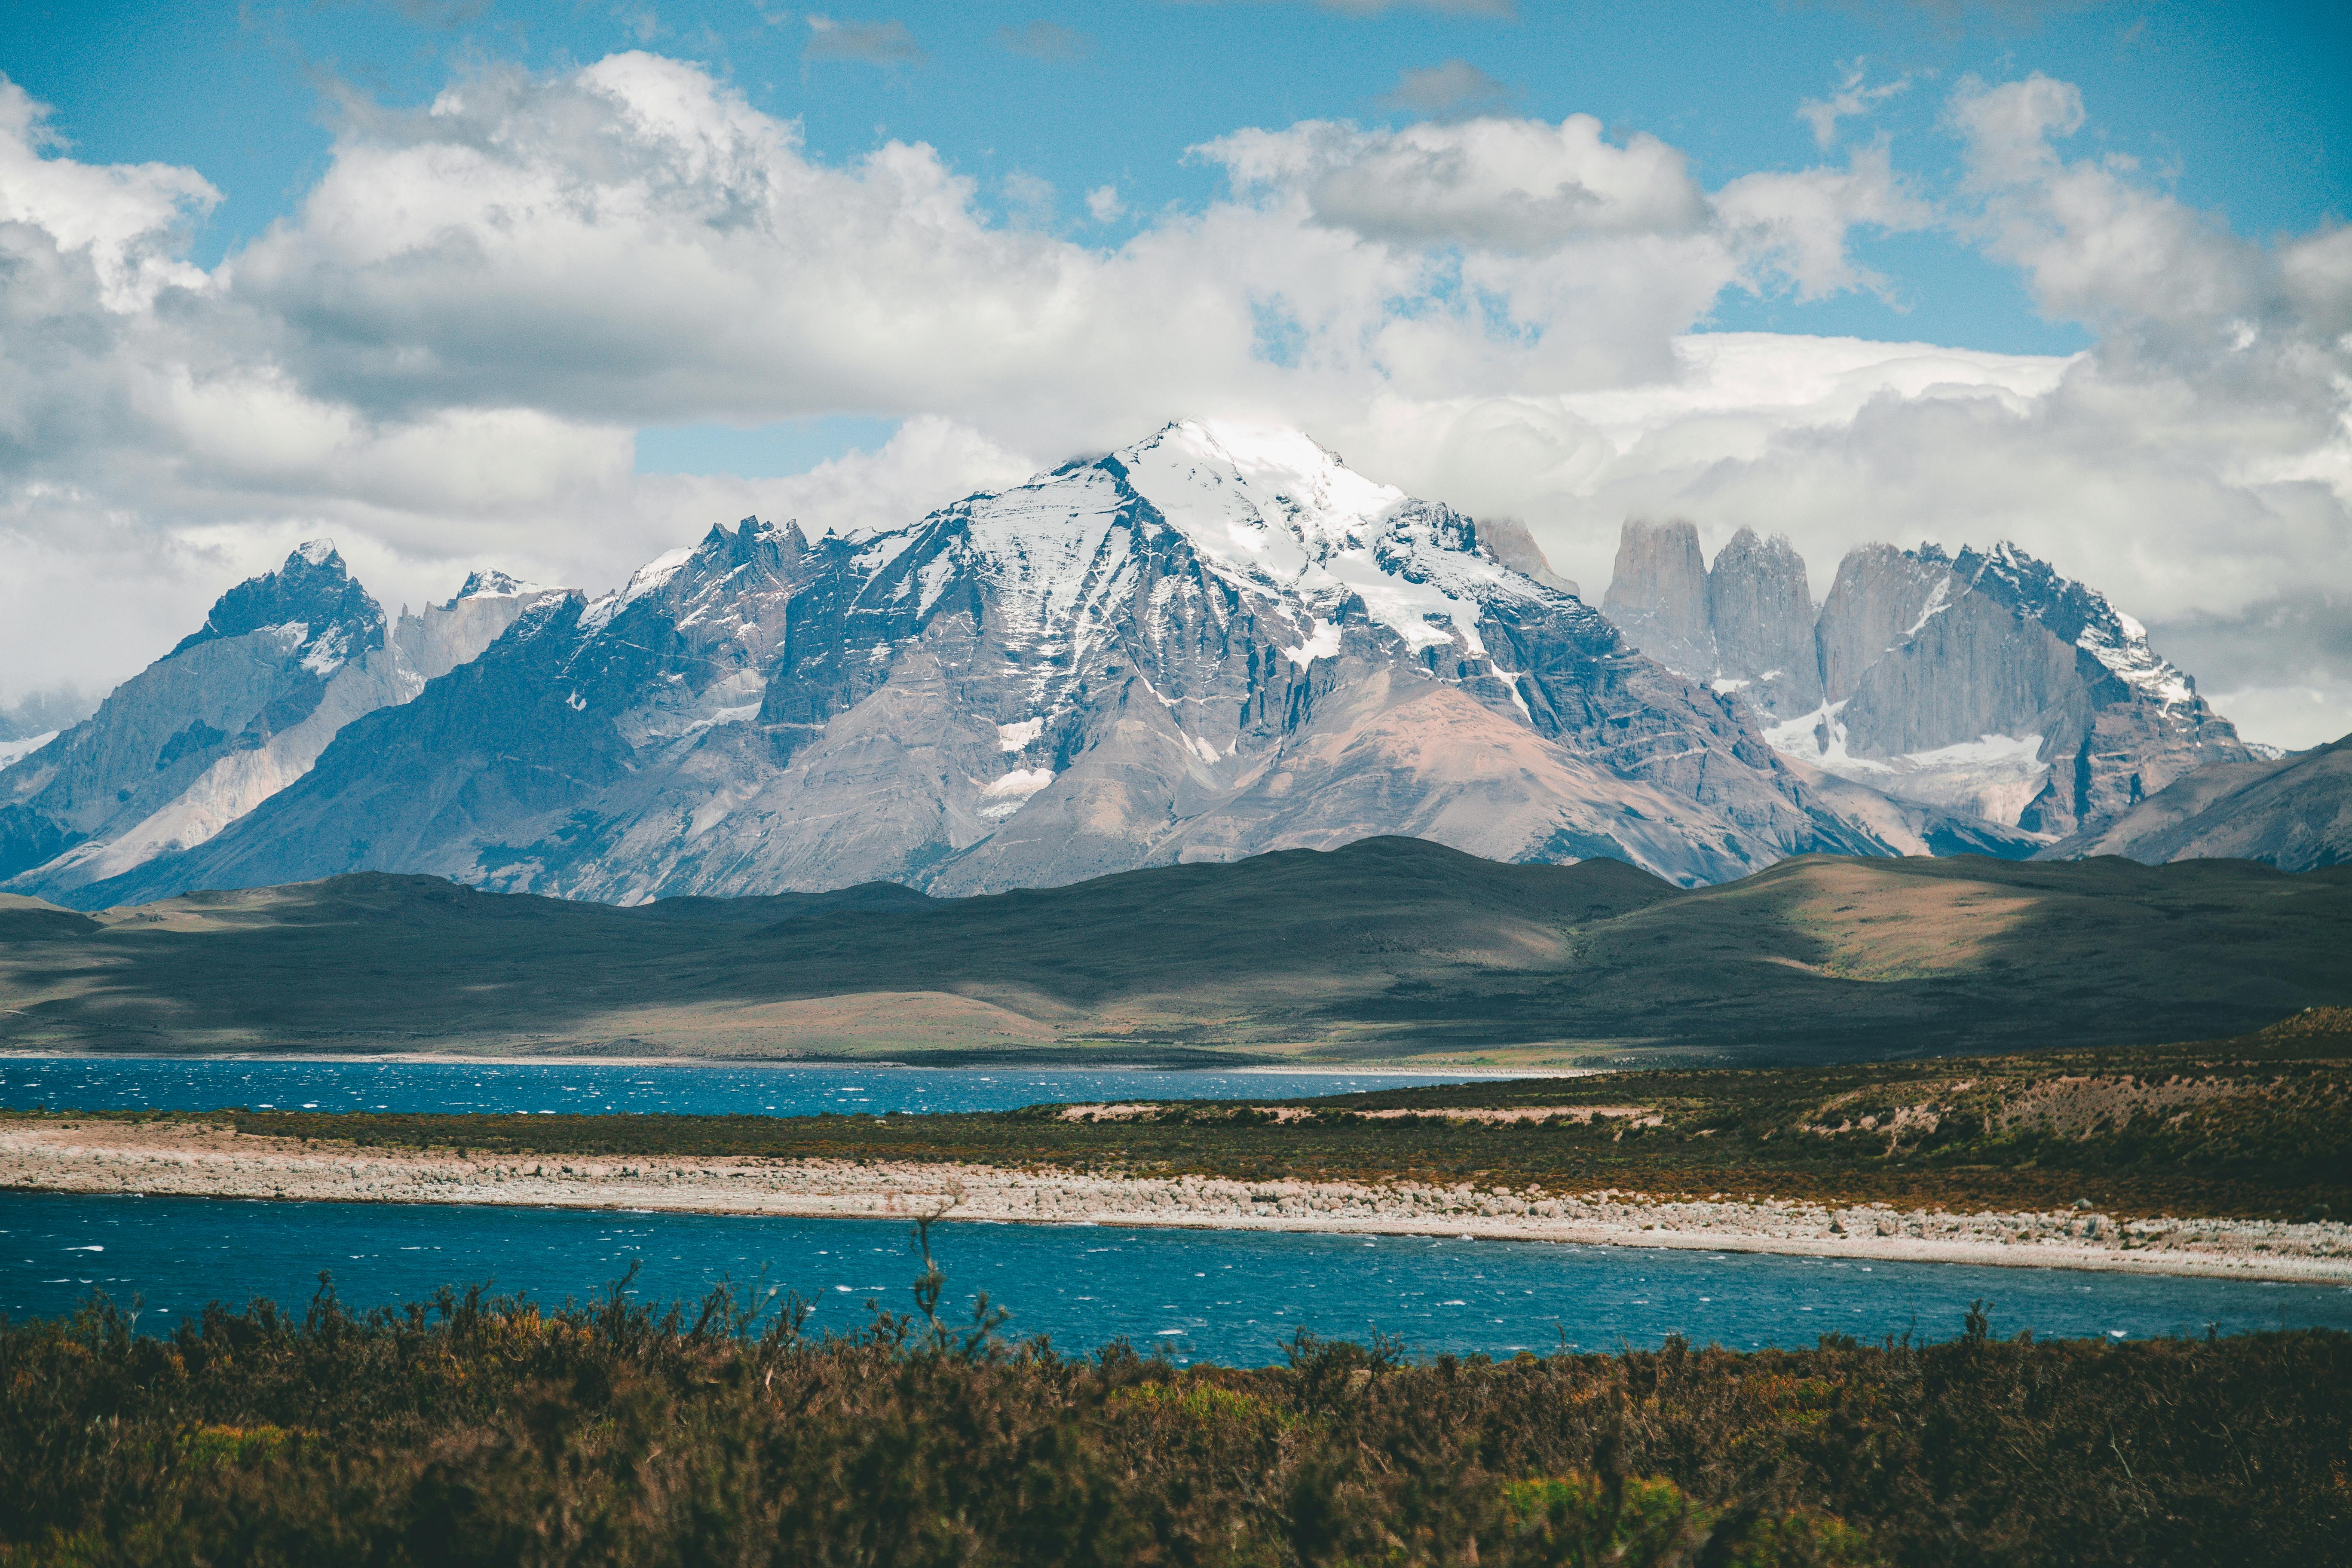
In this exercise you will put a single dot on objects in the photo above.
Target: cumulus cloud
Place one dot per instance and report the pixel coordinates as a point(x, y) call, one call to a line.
point(441, 355)
point(1500, 185)
point(125, 219)
point(875, 43)
point(1797, 224)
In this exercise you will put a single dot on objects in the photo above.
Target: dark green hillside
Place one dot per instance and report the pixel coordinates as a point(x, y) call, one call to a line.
point(1387, 948)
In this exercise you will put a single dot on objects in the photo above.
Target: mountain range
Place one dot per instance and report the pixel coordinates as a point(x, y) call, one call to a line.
point(239, 708)
point(1217, 642)
point(1984, 682)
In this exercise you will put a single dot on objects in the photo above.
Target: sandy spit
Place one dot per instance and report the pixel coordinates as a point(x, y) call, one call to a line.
point(198, 1161)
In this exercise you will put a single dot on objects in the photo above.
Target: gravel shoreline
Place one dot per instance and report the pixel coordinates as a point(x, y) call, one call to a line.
point(194, 1160)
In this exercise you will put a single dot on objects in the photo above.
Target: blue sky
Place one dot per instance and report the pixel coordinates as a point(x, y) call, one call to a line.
point(554, 285)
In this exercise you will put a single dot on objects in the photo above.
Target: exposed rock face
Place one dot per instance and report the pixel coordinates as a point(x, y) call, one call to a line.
point(1760, 610)
point(1657, 596)
point(1508, 541)
point(237, 710)
point(1881, 598)
point(1986, 685)
point(2292, 812)
point(1216, 642)
point(1744, 627)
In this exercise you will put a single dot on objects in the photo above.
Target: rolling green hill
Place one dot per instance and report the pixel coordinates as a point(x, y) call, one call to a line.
point(1387, 949)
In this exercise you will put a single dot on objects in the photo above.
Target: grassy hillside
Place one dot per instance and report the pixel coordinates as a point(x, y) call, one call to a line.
point(1386, 949)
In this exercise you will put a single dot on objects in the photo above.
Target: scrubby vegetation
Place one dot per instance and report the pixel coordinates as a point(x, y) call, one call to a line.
point(481, 1431)
point(2254, 1128)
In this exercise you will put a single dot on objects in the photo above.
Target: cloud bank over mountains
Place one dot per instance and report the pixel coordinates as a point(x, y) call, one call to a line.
point(443, 354)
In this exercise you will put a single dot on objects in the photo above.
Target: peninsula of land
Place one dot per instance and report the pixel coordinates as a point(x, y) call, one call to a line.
point(211, 1159)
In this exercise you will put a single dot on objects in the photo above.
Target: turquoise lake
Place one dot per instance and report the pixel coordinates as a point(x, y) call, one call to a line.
point(1233, 1297)
point(528, 1088)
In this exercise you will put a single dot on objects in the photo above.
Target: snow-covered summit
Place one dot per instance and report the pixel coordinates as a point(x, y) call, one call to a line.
point(1272, 510)
point(2076, 613)
point(489, 583)
point(1217, 640)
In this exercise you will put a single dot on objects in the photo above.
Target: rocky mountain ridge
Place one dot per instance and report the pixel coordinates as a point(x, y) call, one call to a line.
point(1985, 683)
point(2293, 812)
point(237, 710)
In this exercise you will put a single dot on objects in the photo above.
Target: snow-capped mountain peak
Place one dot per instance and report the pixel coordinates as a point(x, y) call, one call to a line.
point(1256, 498)
point(489, 583)
point(1270, 509)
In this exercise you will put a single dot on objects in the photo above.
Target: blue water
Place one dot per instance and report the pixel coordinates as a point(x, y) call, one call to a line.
point(1231, 1297)
point(170, 1083)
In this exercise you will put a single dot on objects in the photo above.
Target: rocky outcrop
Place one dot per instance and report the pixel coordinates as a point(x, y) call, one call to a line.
point(38, 715)
point(2292, 812)
point(1986, 686)
point(1760, 610)
point(1507, 541)
point(1972, 669)
point(1657, 596)
point(1212, 643)
point(235, 711)
point(1744, 626)
point(1881, 596)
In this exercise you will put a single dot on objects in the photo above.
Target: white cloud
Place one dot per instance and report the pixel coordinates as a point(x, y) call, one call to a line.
point(1103, 204)
point(439, 356)
point(125, 218)
point(1797, 224)
point(1506, 186)
point(1028, 195)
point(1852, 96)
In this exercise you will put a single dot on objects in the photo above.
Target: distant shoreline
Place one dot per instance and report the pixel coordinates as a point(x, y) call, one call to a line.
point(192, 1160)
point(456, 1058)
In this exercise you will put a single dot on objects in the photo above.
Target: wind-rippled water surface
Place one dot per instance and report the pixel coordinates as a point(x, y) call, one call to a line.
point(1231, 1297)
point(704, 1087)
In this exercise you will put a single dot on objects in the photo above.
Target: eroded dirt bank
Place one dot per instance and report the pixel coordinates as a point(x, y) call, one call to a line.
point(195, 1160)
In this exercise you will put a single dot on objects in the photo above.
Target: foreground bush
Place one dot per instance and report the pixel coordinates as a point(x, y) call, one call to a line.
point(479, 1431)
